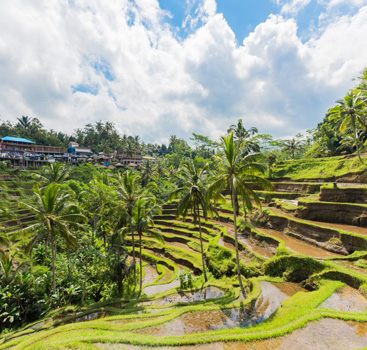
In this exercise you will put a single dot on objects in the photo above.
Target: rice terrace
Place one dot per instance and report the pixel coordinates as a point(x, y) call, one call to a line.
point(183, 175)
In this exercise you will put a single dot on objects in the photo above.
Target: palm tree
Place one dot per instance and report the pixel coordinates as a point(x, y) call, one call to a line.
point(130, 148)
point(141, 221)
point(24, 122)
point(129, 192)
point(56, 214)
point(233, 170)
point(137, 142)
point(148, 170)
point(53, 173)
point(292, 146)
point(173, 140)
point(4, 239)
point(240, 132)
point(8, 269)
point(350, 111)
point(194, 196)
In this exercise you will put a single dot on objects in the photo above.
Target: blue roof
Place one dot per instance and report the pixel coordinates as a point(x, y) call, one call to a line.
point(16, 139)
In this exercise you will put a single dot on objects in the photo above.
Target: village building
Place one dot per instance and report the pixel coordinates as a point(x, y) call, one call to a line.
point(79, 152)
point(25, 153)
point(15, 145)
point(129, 158)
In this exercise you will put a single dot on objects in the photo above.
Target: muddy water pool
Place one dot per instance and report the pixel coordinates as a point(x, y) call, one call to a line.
point(187, 297)
point(346, 299)
point(325, 334)
point(271, 298)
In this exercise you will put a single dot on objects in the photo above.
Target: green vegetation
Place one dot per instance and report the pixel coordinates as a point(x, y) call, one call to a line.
point(69, 277)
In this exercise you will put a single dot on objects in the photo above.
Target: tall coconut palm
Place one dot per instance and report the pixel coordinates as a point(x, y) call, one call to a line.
point(130, 148)
point(24, 122)
point(194, 196)
point(148, 171)
point(240, 132)
point(292, 146)
point(53, 173)
point(141, 221)
point(173, 140)
point(234, 169)
point(56, 214)
point(349, 112)
point(129, 192)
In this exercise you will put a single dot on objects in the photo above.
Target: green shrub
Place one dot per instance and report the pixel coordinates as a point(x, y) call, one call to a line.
point(220, 261)
point(293, 267)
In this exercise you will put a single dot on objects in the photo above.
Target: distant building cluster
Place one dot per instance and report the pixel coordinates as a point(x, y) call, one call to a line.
point(25, 153)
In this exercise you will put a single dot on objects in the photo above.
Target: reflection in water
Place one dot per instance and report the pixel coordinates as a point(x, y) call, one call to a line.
point(161, 287)
point(346, 299)
point(271, 298)
point(188, 297)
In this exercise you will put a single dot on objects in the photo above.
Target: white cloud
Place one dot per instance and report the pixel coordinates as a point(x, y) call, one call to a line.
point(293, 7)
point(162, 85)
point(334, 3)
point(199, 12)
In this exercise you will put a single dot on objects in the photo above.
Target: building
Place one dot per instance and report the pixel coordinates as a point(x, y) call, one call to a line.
point(15, 145)
point(78, 151)
point(129, 158)
point(52, 151)
point(20, 151)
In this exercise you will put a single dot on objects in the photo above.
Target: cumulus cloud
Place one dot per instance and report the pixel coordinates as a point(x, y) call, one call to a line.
point(199, 12)
point(70, 63)
point(334, 3)
point(293, 7)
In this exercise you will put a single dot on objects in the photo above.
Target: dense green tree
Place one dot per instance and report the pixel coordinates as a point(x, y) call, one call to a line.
point(350, 112)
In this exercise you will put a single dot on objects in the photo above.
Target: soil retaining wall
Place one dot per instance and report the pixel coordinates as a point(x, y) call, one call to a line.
point(341, 213)
point(344, 195)
point(319, 236)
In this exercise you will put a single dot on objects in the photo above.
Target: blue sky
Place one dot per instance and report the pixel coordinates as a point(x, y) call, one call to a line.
point(242, 15)
point(162, 67)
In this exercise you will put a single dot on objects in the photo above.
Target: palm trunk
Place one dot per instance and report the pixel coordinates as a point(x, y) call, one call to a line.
point(356, 140)
point(202, 250)
point(141, 267)
point(53, 243)
point(237, 252)
point(134, 261)
point(85, 281)
point(68, 258)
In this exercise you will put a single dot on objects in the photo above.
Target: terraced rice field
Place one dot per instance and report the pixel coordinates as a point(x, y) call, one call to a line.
point(305, 281)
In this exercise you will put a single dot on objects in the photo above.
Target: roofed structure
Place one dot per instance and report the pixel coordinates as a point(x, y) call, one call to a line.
point(16, 139)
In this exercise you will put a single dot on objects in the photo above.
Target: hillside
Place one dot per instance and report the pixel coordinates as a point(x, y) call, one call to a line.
point(342, 168)
point(303, 262)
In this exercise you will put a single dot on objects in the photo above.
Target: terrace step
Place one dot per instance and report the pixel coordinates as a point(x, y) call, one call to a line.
point(324, 235)
point(341, 213)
